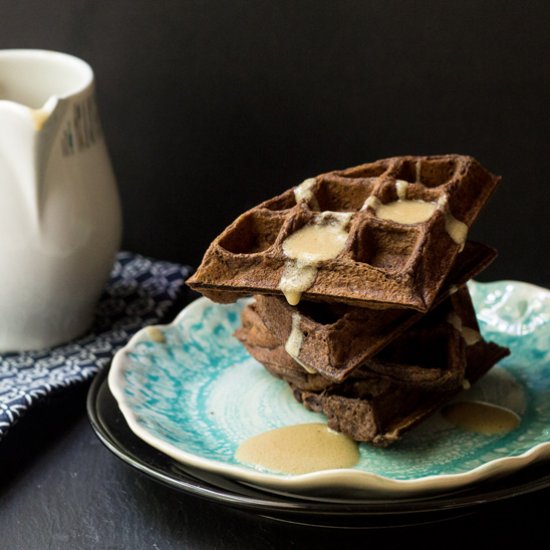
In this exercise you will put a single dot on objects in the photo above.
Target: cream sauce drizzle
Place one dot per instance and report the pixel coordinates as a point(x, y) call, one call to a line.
point(303, 192)
point(297, 277)
point(483, 418)
point(408, 212)
point(39, 117)
point(299, 449)
point(457, 230)
point(470, 335)
point(156, 334)
point(454, 320)
point(418, 168)
point(321, 240)
point(293, 344)
point(371, 202)
point(401, 189)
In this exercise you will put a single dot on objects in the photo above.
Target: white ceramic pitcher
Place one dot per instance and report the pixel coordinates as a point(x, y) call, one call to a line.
point(60, 222)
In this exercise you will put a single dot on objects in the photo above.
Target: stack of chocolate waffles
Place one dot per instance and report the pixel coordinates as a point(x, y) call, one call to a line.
point(358, 278)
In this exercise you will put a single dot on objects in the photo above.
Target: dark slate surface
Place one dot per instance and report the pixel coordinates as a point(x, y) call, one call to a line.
point(61, 488)
point(210, 107)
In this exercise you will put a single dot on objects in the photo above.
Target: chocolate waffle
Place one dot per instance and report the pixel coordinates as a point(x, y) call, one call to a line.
point(379, 411)
point(372, 261)
point(428, 355)
point(335, 339)
point(393, 391)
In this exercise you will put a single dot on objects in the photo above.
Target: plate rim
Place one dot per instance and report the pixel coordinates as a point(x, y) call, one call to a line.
point(272, 503)
point(295, 483)
point(363, 514)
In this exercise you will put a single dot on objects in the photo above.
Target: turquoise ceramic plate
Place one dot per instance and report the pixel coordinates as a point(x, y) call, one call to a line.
point(198, 394)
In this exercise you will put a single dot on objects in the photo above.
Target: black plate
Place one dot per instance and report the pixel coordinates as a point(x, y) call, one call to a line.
point(111, 428)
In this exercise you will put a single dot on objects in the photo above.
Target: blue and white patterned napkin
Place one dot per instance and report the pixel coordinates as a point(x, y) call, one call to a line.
point(140, 292)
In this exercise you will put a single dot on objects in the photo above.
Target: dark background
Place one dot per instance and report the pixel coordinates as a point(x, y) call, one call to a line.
point(210, 107)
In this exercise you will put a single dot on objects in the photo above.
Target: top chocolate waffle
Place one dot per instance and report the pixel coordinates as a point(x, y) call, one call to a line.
point(376, 235)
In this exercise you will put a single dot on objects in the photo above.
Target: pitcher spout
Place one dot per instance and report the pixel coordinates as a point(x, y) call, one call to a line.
point(35, 90)
point(41, 115)
point(22, 157)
